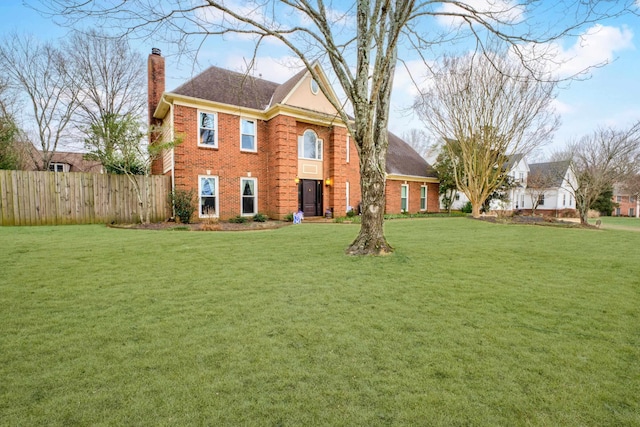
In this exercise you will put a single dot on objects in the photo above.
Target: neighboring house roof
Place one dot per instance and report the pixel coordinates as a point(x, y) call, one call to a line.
point(513, 161)
point(555, 171)
point(75, 161)
point(402, 159)
point(229, 87)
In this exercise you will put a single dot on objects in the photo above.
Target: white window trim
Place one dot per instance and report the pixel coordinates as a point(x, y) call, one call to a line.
point(216, 195)
point(65, 167)
point(317, 86)
point(319, 147)
point(348, 147)
point(347, 195)
point(407, 193)
point(426, 193)
point(255, 135)
point(215, 129)
point(541, 198)
point(255, 197)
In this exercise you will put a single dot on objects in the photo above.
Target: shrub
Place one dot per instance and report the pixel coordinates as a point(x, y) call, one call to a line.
point(238, 219)
point(182, 203)
point(289, 217)
point(467, 208)
point(260, 217)
point(351, 213)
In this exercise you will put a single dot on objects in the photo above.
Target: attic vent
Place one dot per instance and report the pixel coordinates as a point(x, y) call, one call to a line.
point(156, 51)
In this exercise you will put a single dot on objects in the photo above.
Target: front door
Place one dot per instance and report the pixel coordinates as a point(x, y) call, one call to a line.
point(310, 198)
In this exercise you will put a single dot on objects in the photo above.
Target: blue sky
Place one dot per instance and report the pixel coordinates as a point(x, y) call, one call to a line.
point(608, 96)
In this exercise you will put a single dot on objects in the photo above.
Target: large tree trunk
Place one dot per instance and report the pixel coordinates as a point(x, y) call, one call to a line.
point(371, 240)
point(475, 209)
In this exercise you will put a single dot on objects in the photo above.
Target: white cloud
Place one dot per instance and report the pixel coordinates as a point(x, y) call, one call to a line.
point(505, 11)
point(409, 79)
point(598, 45)
point(275, 69)
point(562, 108)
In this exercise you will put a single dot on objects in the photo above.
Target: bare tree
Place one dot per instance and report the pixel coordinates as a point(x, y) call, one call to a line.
point(41, 72)
point(112, 81)
point(542, 177)
point(422, 142)
point(602, 159)
point(360, 42)
point(129, 154)
point(487, 108)
point(631, 185)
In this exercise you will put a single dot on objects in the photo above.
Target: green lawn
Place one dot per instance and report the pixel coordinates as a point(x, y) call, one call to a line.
point(467, 323)
point(619, 222)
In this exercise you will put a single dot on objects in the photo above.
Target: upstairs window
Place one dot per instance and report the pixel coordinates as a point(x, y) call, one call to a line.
point(247, 135)
point(208, 135)
point(310, 146)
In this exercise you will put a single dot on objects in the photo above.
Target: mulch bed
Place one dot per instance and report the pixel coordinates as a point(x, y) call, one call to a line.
point(219, 226)
point(531, 220)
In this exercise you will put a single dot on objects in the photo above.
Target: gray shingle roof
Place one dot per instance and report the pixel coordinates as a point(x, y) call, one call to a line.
point(229, 87)
point(554, 170)
point(402, 159)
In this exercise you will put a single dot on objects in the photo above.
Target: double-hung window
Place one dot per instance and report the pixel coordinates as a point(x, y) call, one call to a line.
point(423, 198)
point(310, 146)
point(249, 192)
point(208, 196)
point(248, 135)
point(58, 167)
point(208, 129)
point(541, 199)
point(404, 197)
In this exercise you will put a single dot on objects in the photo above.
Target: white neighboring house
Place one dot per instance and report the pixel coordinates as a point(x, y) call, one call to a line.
point(459, 200)
point(554, 194)
point(516, 197)
point(549, 184)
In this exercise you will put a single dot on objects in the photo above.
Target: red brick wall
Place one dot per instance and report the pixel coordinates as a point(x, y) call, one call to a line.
point(275, 166)
point(342, 172)
point(155, 88)
point(227, 161)
point(393, 196)
point(282, 166)
point(625, 204)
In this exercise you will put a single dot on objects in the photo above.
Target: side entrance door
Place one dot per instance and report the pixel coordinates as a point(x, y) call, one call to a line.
point(310, 199)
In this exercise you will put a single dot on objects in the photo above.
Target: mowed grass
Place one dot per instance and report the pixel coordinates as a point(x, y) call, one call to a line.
point(467, 323)
point(619, 222)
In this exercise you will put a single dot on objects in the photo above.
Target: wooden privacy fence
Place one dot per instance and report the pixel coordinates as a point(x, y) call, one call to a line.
point(53, 198)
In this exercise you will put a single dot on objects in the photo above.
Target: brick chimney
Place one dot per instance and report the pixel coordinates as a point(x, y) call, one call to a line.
point(155, 76)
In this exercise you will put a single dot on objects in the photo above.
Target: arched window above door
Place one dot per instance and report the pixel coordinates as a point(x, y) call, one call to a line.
point(310, 146)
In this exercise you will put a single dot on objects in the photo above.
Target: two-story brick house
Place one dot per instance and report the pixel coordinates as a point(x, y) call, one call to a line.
point(251, 145)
